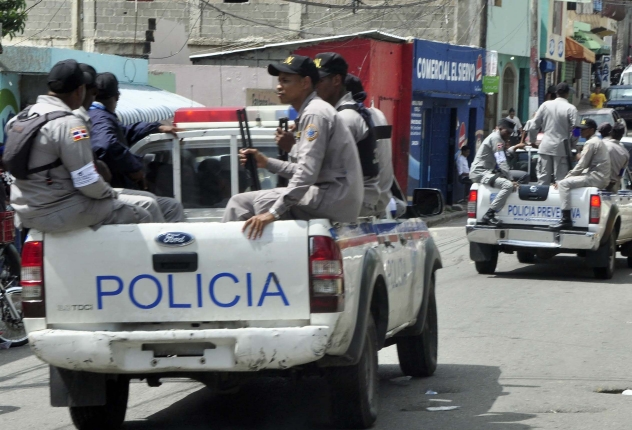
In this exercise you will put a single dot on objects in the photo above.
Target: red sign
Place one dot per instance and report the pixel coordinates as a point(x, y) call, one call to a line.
point(479, 68)
point(462, 138)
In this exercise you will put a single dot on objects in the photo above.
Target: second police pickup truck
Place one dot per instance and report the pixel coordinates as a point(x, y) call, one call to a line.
point(199, 300)
point(602, 225)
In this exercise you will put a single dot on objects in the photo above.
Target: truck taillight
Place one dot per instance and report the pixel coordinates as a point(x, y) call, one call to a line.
point(32, 280)
point(595, 209)
point(471, 204)
point(326, 276)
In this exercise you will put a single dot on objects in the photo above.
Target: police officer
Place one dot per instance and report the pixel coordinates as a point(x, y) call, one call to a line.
point(332, 69)
point(387, 183)
point(490, 168)
point(71, 195)
point(619, 155)
point(162, 209)
point(592, 170)
point(556, 118)
point(110, 143)
point(323, 167)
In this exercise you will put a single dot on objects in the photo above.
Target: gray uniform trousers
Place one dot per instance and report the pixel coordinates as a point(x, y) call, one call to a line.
point(566, 185)
point(162, 209)
point(505, 185)
point(244, 206)
point(549, 165)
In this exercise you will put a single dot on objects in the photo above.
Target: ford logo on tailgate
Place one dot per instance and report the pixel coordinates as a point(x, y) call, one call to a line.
point(174, 238)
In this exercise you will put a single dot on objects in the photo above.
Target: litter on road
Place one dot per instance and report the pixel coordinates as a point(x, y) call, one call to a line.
point(627, 392)
point(442, 408)
point(401, 380)
point(431, 393)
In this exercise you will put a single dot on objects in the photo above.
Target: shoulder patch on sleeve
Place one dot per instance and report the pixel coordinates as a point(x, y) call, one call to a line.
point(311, 132)
point(79, 133)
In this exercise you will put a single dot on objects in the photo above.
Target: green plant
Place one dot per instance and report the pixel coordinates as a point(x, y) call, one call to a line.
point(13, 15)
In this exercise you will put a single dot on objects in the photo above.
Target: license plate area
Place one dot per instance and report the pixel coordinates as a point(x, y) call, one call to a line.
point(532, 236)
point(191, 349)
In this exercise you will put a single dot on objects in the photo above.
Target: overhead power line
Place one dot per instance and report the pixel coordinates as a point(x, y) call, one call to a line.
point(361, 5)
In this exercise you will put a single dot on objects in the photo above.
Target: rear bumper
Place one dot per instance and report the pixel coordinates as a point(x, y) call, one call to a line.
point(543, 239)
point(232, 350)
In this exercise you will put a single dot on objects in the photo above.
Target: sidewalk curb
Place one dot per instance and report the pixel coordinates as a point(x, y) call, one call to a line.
point(444, 217)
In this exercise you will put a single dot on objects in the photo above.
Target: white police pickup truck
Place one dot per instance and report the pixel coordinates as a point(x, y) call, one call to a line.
point(602, 225)
point(199, 300)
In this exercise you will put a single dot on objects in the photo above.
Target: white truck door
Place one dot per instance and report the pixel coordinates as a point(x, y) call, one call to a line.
point(397, 269)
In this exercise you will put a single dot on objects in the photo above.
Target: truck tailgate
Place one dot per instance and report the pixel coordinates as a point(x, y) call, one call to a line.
point(124, 273)
point(536, 206)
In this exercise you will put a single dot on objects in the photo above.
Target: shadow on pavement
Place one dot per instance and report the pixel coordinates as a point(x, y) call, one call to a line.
point(562, 268)
point(282, 404)
point(14, 354)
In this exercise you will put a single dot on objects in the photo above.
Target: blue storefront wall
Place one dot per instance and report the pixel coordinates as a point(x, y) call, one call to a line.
point(447, 113)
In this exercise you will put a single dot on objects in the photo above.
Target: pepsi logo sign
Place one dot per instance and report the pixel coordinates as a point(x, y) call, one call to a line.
point(175, 239)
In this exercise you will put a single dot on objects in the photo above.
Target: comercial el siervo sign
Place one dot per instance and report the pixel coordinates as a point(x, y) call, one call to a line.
point(428, 68)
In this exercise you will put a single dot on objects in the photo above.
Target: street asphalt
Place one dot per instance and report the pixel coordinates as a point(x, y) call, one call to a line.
point(529, 347)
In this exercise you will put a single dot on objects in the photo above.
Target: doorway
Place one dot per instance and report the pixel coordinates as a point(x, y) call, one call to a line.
point(510, 81)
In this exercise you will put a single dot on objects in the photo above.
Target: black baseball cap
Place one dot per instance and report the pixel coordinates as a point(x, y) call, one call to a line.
point(296, 65)
point(66, 76)
point(353, 84)
point(86, 68)
point(605, 128)
point(563, 88)
point(107, 84)
point(587, 123)
point(506, 123)
point(330, 63)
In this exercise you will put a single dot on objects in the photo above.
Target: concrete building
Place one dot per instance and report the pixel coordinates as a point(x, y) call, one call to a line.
point(168, 31)
point(509, 33)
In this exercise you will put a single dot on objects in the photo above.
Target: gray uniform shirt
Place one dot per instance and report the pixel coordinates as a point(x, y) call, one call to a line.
point(358, 128)
point(75, 185)
point(619, 158)
point(323, 167)
point(556, 118)
point(385, 159)
point(490, 157)
point(595, 163)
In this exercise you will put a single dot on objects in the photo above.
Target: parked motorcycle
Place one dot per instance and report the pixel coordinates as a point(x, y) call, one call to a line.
point(12, 331)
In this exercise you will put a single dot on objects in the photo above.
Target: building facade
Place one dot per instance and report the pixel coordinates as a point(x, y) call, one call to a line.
point(168, 31)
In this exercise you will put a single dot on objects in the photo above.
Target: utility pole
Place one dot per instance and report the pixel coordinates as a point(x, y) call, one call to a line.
point(76, 24)
point(484, 17)
point(535, 60)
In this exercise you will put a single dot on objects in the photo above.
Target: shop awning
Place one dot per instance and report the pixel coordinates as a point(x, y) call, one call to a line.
point(592, 42)
point(575, 51)
point(147, 103)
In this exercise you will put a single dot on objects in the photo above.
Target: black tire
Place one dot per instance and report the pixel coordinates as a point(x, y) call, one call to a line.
point(354, 389)
point(488, 267)
point(526, 257)
point(418, 354)
point(608, 271)
point(107, 417)
point(630, 260)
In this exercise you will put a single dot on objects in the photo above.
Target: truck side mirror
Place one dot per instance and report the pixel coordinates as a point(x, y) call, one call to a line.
point(428, 201)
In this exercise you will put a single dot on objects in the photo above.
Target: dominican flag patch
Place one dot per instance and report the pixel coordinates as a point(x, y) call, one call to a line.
point(79, 133)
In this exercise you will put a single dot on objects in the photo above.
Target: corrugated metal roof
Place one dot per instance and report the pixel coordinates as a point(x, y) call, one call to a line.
point(147, 103)
point(370, 34)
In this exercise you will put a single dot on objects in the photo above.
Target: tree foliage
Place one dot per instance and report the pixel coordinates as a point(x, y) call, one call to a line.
point(12, 17)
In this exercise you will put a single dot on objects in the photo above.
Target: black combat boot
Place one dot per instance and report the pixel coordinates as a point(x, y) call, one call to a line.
point(490, 218)
point(565, 223)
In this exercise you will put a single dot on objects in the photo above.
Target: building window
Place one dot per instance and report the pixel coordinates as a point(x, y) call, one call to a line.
point(498, 3)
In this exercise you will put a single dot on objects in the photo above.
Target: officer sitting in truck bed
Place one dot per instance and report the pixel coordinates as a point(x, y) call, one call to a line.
point(325, 177)
point(490, 168)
